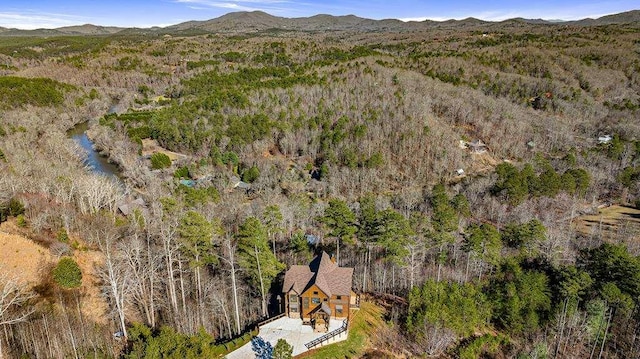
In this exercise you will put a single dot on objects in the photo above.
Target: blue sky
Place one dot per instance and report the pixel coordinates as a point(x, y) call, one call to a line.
point(30, 14)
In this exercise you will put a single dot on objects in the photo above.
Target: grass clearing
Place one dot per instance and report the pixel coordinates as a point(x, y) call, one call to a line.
point(20, 257)
point(609, 221)
point(150, 147)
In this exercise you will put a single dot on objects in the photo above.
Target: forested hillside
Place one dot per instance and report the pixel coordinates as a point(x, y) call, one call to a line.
point(485, 175)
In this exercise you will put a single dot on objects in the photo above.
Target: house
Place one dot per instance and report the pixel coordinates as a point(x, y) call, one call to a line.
point(188, 182)
point(603, 140)
point(237, 183)
point(128, 206)
point(531, 145)
point(477, 146)
point(318, 292)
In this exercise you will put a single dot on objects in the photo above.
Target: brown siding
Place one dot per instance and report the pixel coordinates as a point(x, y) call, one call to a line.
point(344, 301)
point(305, 303)
point(307, 300)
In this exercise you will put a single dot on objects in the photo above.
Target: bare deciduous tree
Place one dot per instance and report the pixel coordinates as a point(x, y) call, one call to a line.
point(14, 308)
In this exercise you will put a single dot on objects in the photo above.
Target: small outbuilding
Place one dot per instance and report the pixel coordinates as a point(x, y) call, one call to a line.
point(603, 140)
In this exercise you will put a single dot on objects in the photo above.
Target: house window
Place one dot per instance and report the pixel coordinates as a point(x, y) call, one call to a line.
point(305, 302)
point(339, 309)
point(315, 300)
point(293, 308)
point(315, 293)
point(338, 297)
point(293, 298)
point(324, 299)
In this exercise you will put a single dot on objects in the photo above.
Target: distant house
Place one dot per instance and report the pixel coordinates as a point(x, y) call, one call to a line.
point(477, 146)
point(312, 239)
point(318, 292)
point(127, 206)
point(603, 140)
point(242, 185)
point(188, 182)
point(237, 183)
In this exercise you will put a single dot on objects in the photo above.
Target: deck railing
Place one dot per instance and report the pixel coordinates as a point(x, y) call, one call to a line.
point(269, 320)
point(331, 334)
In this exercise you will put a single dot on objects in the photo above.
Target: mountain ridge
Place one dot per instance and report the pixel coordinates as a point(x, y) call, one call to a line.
point(253, 21)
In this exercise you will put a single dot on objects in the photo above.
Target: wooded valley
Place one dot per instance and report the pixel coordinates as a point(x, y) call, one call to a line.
point(482, 178)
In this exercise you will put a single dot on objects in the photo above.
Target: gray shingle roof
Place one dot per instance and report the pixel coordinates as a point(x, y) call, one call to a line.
point(330, 278)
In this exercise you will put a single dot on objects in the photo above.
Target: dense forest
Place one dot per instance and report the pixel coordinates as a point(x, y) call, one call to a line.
point(483, 179)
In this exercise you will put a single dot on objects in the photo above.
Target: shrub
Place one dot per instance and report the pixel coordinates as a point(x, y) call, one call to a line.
point(165, 342)
point(21, 221)
point(93, 94)
point(282, 350)
point(62, 236)
point(261, 348)
point(230, 158)
point(67, 273)
point(251, 174)
point(182, 172)
point(159, 161)
point(16, 208)
point(12, 209)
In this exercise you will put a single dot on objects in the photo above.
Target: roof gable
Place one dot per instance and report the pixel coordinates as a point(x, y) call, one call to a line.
point(296, 278)
point(322, 272)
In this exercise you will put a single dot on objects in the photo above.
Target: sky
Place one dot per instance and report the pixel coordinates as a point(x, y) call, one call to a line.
point(32, 14)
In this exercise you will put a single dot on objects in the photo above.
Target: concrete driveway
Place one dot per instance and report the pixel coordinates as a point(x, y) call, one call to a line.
point(292, 330)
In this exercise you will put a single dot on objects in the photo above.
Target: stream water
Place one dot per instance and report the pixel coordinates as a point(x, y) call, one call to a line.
point(98, 163)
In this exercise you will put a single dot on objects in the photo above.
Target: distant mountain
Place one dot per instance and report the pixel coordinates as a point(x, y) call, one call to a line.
point(621, 18)
point(256, 21)
point(37, 32)
point(239, 22)
point(531, 21)
point(86, 29)
point(89, 29)
point(261, 21)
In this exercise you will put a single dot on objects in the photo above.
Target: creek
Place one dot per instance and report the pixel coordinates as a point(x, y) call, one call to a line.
point(98, 163)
